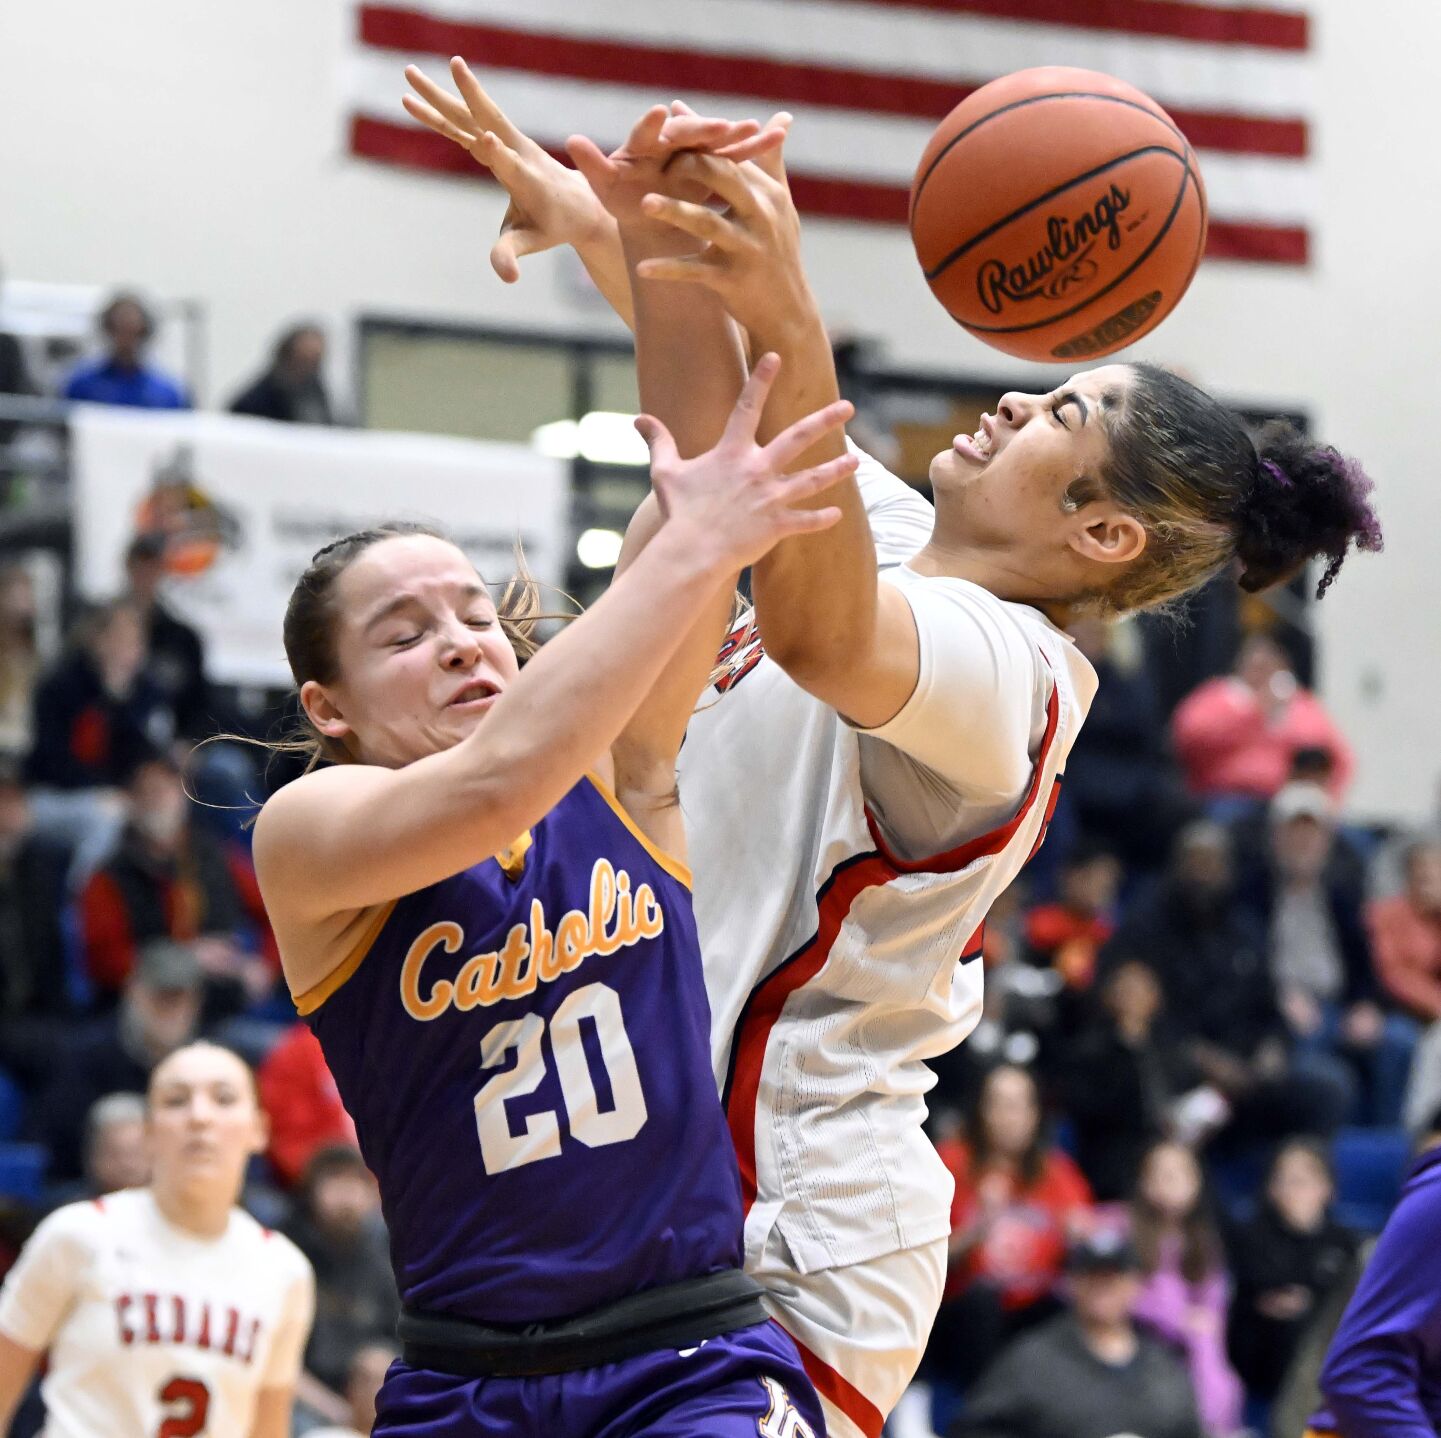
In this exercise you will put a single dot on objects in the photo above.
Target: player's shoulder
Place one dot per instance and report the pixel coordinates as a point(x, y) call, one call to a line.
point(90, 1223)
point(267, 1246)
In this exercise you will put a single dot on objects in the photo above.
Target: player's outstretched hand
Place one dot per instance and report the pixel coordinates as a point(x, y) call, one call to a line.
point(751, 253)
point(736, 501)
point(658, 139)
point(550, 204)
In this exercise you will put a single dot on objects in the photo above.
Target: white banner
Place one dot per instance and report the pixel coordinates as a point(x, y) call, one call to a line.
point(244, 503)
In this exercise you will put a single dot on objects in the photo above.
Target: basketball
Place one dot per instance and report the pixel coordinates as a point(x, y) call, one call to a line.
point(1058, 214)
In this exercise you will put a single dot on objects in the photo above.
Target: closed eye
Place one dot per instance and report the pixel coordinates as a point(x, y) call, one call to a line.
point(1070, 397)
point(480, 621)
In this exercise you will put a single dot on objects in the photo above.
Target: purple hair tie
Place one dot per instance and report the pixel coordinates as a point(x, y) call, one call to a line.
point(1276, 473)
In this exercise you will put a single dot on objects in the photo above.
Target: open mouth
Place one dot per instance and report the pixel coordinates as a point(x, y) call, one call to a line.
point(474, 694)
point(977, 447)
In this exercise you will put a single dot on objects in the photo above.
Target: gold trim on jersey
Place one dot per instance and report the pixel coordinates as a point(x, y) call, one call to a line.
point(669, 863)
point(316, 994)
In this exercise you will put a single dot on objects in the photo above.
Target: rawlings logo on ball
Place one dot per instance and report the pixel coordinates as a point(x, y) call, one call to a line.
point(1064, 263)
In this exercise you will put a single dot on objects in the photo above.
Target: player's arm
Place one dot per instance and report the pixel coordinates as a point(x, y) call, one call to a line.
point(17, 1368)
point(353, 835)
point(823, 614)
point(273, 1408)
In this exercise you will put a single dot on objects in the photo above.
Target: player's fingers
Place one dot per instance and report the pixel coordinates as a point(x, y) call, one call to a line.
point(745, 417)
point(770, 139)
point(485, 112)
point(439, 98)
point(663, 453)
point(810, 521)
point(693, 219)
point(645, 135)
point(591, 161)
point(791, 443)
point(819, 478)
point(772, 160)
point(692, 271)
point(723, 177)
point(696, 132)
point(432, 119)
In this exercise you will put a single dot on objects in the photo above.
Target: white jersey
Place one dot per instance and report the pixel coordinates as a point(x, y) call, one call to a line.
point(842, 878)
point(151, 1330)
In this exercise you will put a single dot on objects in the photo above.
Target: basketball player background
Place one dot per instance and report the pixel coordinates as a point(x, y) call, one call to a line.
point(255, 164)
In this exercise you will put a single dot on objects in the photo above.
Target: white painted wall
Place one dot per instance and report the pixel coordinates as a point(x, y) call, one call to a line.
point(196, 150)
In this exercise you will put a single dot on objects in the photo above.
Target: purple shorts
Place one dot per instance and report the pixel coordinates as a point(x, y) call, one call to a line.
point(746, 1384)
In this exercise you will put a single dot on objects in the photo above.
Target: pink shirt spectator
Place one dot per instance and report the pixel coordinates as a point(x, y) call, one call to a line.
point(1406, 949)
point(1228, 743)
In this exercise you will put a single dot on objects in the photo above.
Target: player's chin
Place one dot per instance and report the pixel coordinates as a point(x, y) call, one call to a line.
point(950, 470)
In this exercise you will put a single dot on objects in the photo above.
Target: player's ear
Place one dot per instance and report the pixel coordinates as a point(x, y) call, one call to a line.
point(323, 711)
point(260, 1140)
point(1108, 536)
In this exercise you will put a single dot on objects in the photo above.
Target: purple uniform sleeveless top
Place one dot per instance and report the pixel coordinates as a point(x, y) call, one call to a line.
point(524, 1048)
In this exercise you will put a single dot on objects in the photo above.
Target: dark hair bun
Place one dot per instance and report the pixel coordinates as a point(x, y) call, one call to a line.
point(1307, 500)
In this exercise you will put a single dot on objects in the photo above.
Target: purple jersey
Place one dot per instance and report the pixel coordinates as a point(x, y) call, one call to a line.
point(524, 1048)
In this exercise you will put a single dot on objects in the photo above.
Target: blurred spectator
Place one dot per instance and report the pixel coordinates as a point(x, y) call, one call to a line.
point(1321, 953)
point(1285, 1262)
point(121, 375)
point(175, 651)
point(1221, 1028)
point(1406, 935)
point(14, 379)
point(97, 715)
point(19, 661)
point(1115, 1082)
point(1017, 1201)
point(368, 1368)
point(1087, 1373)
point(158, 1012)
point(292, 388)
point(33, 979)
point(1236, 736)
point(1183, 1299)
point(170, 878)
point(300, 1097)
point(1067, 935)
point(1121, 782)
point(116, 1152)
point(336, 1225)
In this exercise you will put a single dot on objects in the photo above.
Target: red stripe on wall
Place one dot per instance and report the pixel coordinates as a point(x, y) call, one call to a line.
point(819, 195)
point(1164, 19)
point(776, 82)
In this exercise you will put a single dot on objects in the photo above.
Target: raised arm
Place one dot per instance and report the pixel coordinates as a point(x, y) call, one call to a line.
point(824, 617)
point(352, 836)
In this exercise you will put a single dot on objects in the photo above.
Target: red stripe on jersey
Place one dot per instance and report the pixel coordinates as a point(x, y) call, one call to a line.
point(992, 842)
point(846, 884)
point(764, 1006)
point(841, 1392)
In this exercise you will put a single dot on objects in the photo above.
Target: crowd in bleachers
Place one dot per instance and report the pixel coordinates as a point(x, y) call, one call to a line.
point(1210, 1031)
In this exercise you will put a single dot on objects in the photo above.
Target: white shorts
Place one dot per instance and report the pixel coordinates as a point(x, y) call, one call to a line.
point(861, 1330)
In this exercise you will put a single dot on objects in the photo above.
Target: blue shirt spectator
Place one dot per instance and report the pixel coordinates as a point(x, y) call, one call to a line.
point(122, 376)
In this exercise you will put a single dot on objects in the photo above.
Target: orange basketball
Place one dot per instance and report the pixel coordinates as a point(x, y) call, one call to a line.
point(1058, 214)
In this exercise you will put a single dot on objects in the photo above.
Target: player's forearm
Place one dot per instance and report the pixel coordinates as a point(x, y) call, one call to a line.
point(690, 364)
point(604, 262)
point(815, 594)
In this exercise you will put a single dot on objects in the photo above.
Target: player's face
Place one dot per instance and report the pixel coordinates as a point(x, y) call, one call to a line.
point(422, 655)
point(205, 1122)
point(1006, 483)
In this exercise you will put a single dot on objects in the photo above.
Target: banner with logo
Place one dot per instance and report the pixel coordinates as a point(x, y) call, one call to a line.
point(242, 504)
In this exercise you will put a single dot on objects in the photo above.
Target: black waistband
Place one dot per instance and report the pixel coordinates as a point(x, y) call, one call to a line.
point(680, 1315)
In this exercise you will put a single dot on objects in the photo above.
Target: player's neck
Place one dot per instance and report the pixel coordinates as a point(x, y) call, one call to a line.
point(201, 1212)
point(994, 571)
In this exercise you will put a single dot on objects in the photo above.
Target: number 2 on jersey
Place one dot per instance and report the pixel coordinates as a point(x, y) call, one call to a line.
point(540, 1136)
point(195, 1398)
